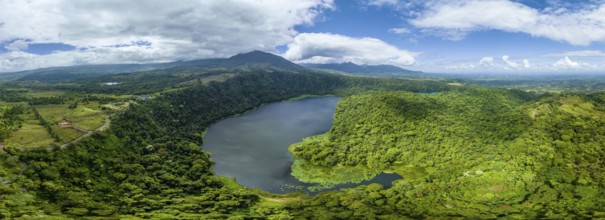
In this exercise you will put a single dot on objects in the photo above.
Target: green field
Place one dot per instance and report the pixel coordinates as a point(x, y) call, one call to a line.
point(66, 134)
point(31, 134)
point(85, 116)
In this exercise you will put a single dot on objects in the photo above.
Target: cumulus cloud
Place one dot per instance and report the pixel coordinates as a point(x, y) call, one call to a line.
point(334, 48)
point(566, 64)
point(456, 18)
point(526, 64)
point(460, 67)
point(17, 45)
point(186, 29)
point(486, 61)
point(509, 63)
point(18, 60)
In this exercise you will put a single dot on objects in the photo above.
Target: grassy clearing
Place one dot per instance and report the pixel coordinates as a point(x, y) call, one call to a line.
point(116, 105)
point(579, 107)
point(66, 134)
point(85, 116)
point(88, 115)
point(31, 134)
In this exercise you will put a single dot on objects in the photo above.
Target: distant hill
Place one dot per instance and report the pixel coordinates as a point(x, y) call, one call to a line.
point(57, 74)
point(53, 74)
point(352, 68)
point(261, 59)
point(251, 60)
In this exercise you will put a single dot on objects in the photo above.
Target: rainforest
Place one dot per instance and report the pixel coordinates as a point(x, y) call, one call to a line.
point(462, 150)
point(307, 109)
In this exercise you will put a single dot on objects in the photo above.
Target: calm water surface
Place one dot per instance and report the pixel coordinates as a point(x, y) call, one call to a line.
point(253, 147)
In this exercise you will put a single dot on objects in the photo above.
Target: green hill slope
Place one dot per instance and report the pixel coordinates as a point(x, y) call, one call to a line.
point(473, 153)
point(463, 152)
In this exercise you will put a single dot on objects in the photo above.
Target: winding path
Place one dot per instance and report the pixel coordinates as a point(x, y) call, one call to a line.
point(88, 133)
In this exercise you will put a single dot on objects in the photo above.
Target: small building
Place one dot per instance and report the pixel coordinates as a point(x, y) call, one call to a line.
point(65, 124)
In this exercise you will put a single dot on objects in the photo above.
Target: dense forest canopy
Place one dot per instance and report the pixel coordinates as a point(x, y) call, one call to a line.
point(471, 152)
point(152, 153)
point(463, 150)
point(371, 109)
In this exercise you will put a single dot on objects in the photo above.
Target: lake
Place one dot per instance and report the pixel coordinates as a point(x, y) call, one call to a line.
point(253, 147)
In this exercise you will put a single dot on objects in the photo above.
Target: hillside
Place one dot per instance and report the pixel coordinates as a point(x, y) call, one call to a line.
point(474, 153)
point(259, 59)
point(245, 61)
point(463, 151)
point(150, 164)
point(376, 70)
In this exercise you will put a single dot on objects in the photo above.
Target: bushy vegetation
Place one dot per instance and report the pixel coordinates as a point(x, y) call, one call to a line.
point(11, 95)
point(10, 120)
point(565, 83)
point(463, 152)
point(471, 153)
point(150, 163)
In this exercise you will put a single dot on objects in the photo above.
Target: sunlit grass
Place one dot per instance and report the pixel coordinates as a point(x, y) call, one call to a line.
point(31, 134)
point(85, 116)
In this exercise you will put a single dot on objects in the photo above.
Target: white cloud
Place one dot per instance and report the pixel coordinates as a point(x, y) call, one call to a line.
point(509, 63)
point(461, 67)
point(526, 64)
point(454, 19)
point(381, 2)
point(175, 30)
point(333, 48)
point(566, 64)
point(486, 61)
point(18, 60)
point(17, 45)
point(581, 53)
point(400, 30)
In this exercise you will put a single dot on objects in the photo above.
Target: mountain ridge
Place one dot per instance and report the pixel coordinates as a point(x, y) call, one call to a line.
point(250, 60)
point(352, 68)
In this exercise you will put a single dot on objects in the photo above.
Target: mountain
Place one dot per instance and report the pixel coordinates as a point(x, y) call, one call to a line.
point(251, 60)
point(56, 74)
point(364, 69)
point(261, 59)
point(53, 74)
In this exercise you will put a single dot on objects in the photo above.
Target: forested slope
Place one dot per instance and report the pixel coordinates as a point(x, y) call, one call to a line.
point(470, 152)
point(463, 152)
point(150, 162)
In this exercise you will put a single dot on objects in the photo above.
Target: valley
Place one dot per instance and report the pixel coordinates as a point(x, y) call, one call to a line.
point(403, 148)
point(302, 110)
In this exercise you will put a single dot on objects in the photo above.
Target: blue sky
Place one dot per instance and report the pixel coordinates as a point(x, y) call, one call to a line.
point(447, 36)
